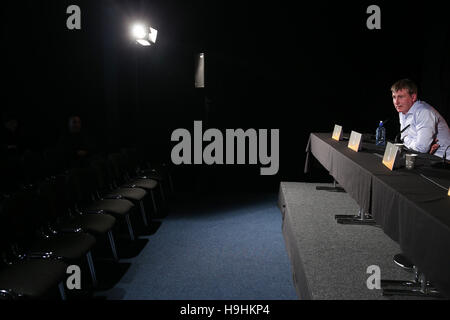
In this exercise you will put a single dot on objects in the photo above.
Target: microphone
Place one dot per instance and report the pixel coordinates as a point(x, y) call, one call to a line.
point(443, 164)
point(397, 137)
point(444, 158)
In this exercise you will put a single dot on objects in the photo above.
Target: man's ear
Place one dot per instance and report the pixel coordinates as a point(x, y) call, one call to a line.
point(414, 97)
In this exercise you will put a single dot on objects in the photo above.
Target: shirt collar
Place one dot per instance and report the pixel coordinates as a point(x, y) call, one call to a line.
point(413, 107)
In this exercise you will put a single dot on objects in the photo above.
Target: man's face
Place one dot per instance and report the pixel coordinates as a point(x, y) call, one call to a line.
point(75, 124)
point(12, 124)
point(403, 101)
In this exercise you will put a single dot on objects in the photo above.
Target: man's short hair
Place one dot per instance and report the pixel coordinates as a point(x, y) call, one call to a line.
point(405, 84)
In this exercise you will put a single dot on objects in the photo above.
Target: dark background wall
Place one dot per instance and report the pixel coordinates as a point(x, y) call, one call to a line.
point(296, 67)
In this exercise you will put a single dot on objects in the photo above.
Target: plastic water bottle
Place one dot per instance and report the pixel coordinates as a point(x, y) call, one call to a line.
point(380, 135)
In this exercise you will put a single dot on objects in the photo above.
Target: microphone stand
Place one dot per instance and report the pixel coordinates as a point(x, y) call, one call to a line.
point(397, 140)
point(444, 164)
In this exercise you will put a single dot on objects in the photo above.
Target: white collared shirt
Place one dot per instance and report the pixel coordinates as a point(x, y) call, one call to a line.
point(426, 124)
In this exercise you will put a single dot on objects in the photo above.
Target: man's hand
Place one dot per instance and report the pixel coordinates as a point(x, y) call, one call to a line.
point(434, 146)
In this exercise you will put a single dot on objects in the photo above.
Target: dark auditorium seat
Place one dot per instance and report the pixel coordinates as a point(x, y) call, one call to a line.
point(83, 188)
point(27, 276)
point(27, 216)
point(68, 218)
point(122, 179)
point(31, 278)
point(105, 189)
point(139, 168)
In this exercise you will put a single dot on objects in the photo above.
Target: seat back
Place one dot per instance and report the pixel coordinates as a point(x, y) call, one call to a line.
point(55, 161)
point(131, 160)
point(117, 168)
point(51, 199)
point(76, 193)
point(65, 199)
point(11, 173)
point(82, 186)
point(21, 217)
point(4, 241)
point(102, 174)
point(33, 167)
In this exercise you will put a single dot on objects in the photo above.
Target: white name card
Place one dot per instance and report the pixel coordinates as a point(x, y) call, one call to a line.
point(392, 154)
point(354, 142)
point(337, 132)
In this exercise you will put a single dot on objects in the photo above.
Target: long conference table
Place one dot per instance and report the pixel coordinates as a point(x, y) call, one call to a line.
point(411, 206)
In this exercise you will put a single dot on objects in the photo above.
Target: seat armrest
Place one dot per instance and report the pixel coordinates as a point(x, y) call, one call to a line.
point(115, 197)
point(71, 230)
point(100, 211)
point(9, 294)
point(40, 255)
point(148, 171)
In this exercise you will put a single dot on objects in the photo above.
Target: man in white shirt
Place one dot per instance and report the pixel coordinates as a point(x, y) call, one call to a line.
point(428, 131)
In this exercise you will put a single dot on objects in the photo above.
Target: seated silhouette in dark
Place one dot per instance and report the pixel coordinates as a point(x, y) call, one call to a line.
point(76, 144)
point(11, 138)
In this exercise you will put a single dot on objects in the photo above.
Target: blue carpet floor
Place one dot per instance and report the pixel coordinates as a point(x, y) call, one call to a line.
point(212, 247)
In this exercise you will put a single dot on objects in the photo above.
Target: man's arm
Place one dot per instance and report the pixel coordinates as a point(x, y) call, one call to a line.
point(434, 146)
point(425, 125)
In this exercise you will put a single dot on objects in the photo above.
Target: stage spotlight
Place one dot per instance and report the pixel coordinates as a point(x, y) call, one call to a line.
point(152, 35)
point(144, 35)
point(139, 31)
